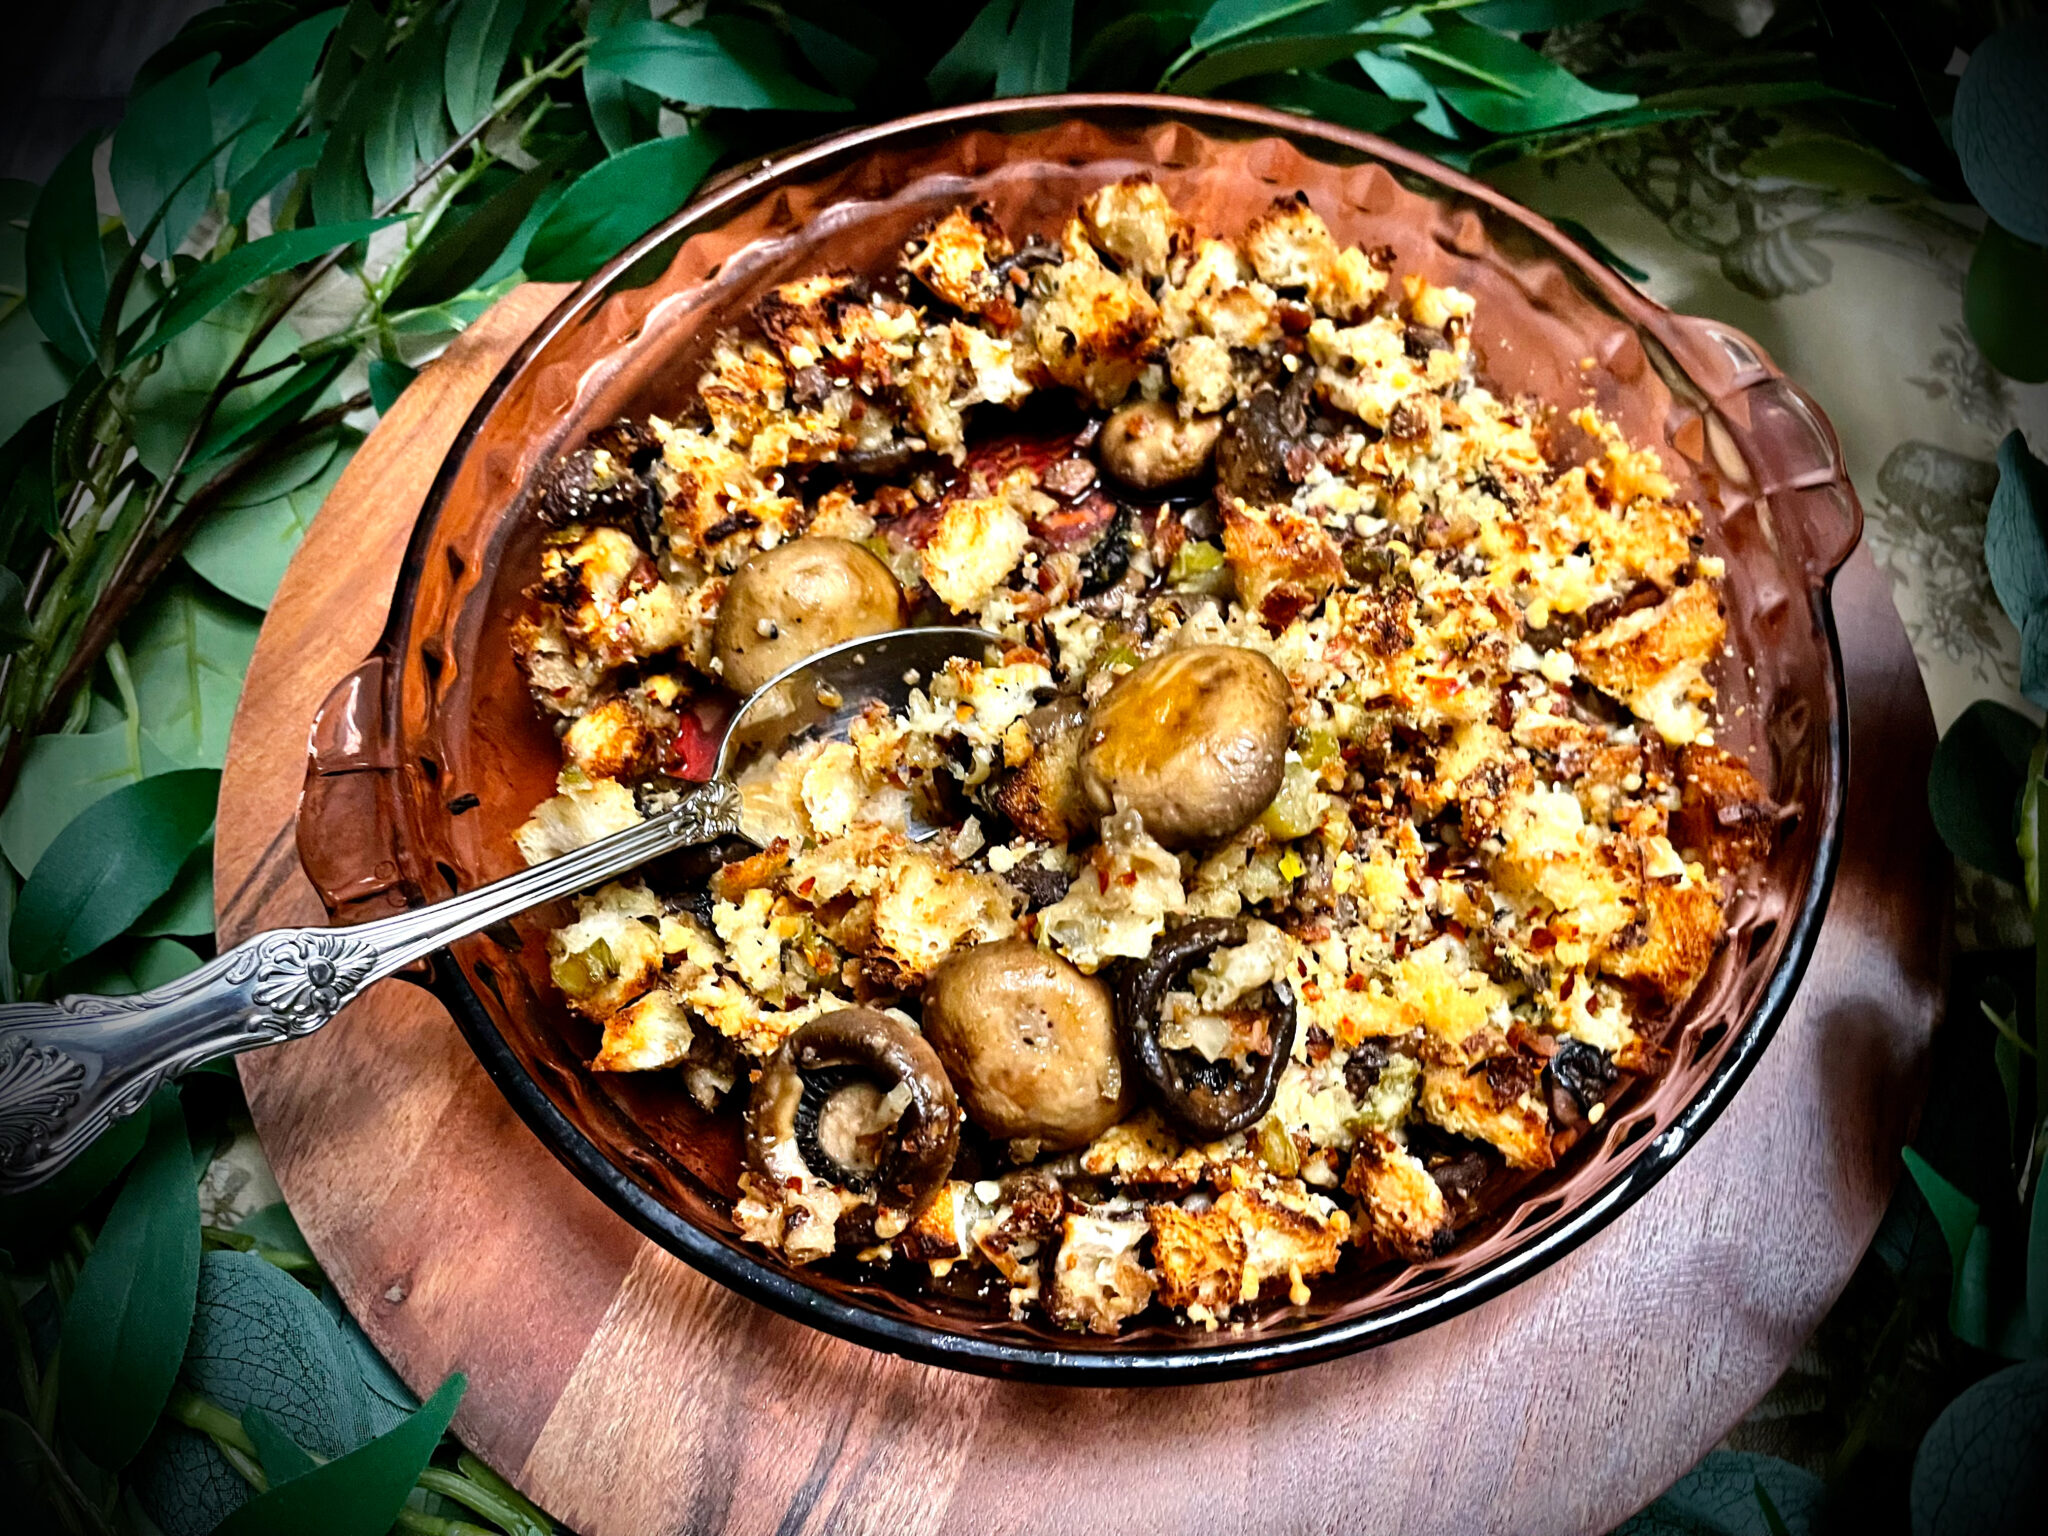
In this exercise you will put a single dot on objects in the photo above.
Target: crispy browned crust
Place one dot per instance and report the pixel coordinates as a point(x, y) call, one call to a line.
point(1468, 1101)
point(1680, 925)
point(956, 256)
point(1724, 817)
point(1636, 650)
point(1405, 1211)
point(1284, 563)
point(1200, 1256)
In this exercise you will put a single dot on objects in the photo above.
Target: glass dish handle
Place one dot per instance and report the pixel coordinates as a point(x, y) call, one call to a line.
point(1773, 442)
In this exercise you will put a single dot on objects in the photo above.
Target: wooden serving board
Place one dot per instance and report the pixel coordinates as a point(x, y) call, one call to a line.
point(628, 1395)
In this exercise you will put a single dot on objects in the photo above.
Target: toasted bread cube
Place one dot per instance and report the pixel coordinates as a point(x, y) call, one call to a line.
point(1202, 374)
point(1654, 660)
point(1405, 1211)
point(612, 952)
point(1724, 816)
point(956, 259)
point(1098, 1280)
point(1200, 1256)
point(1285, 562)
point(647, 1034)
point(578, 814)
point(1681, 923)
point(1289, 244)
point(1133, 221)
point(1095, 330)
point(1465, 1102)
point(977, 543)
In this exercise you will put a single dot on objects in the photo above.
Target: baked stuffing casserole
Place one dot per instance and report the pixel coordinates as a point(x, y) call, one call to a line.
point(1332, 839)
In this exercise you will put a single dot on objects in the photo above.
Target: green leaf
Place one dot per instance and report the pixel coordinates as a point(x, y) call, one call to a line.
point(33, 374)
point(67, 276)
point(282, 1458)
point(613, 205)
point(243, 550)
point(1828, 160)
point(971, 63)
point(131, 1311)
point(726, 61)
point(468, 243)
point(187, 907)
point(259, 1340)
point(2016, 530)
point(1404, 82)
point(2034, 657)
point(361, 1493)
point(1601, 249)
point(1541, 15)
point(271, 172)
point(105, 868)
point(534, 24)
point(60, 777)
point(2028, 839)
point(479, 43)
point(1956, 1213)
point(1304, 39)
point(210, 286)
point(623, 113)
point(1228, 19)
point(189, 650)
point(1040, 49)
point(282, 402)
point(408, 109)
point(2000, 127)
point(260, 99)
point(2002, 303)
point(1511, 87)
point(341, 183)
point(273, 1227)
point(847, 68)
point(167, 131)
point(15, 629)
point(1318, 96)
point(1720, 1497)
point(1974, 785)
point(1982, 1469)
point(36, 1219)
point(388, 379)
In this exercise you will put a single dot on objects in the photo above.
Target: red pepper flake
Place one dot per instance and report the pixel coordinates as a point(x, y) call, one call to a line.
point(1542, 939)
point(1355, 982)
point(1564, 992)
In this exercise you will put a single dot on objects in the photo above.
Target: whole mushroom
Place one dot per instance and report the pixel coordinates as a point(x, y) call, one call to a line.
point(797, 599)
point(1029, 1042)
point(859, 1101)
point(1148, 446)
point(1195, 741)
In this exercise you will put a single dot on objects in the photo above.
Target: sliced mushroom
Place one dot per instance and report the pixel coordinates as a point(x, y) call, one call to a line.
point(1195, 741)
point(1148, 446)
point(797, 599)
point(1203, 1099)
point(1029, 1042)
point(858, 1101)
point(1041, 797)
point(1263, 453)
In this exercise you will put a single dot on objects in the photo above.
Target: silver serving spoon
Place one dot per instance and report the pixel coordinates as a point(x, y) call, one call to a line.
point(69, 1069)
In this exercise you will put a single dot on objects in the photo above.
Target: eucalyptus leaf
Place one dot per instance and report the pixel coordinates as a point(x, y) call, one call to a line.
point(1982, 1469)
point(2000, 126)
point(388, 379)
point(271, 172)
point(534, 23)
point(846, 68)
point(33, 374)
point(1228, 19)
point(15, 629)
point(282, 402)
point(36, 1219)
point(1510, 87)
point(258, 100)
point(67, 276)
point(1968, 1245)
point(104, 869)
point(463, 248)
point(2003, 304)
point(60, 777)
point(1318, 96)
point(361, 1493)
point(186, 909)
point(1829, 160)
point(1404, 82)
point(341, 182)
point(971, 63)
point(281, 1457)
point(2034, 657)
point(28, 494)
point(189, 649)
point(727, 61)
point(2028, 839)
point(1973, 787)
point(1301, 40)
point(622, 113)
point(1541, 15)
point(406, 88)
point(614, 204)
point(243, 550)
point(168, 129)
point(479, 42)
point(130, 1313)
point(1040, 49)
point(2016, 530)
point(272, 1227)
point(213, 284)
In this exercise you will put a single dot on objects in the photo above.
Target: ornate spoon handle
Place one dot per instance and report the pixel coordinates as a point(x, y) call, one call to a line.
point(69, 1069)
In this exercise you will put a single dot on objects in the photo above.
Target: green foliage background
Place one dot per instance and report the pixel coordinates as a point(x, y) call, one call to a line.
point(313, 198)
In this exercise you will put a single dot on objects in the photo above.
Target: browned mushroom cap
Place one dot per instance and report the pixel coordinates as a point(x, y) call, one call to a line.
point(825, 1097)
point(1202, 1099)
point(796, 600)
point(1030, 1043)
point(1147, 446)
point(1194, 741)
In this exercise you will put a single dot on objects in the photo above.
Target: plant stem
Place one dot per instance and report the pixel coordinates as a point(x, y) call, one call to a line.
point(74, 1497)
point(481, 1500)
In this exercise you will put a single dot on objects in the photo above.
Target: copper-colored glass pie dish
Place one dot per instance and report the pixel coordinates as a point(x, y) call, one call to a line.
point(429, 755)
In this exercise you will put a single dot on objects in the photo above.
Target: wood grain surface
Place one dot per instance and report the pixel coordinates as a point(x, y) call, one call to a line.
point(629, 1395)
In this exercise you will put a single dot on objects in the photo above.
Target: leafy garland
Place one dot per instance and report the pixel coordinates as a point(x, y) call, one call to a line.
point(313, 199)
